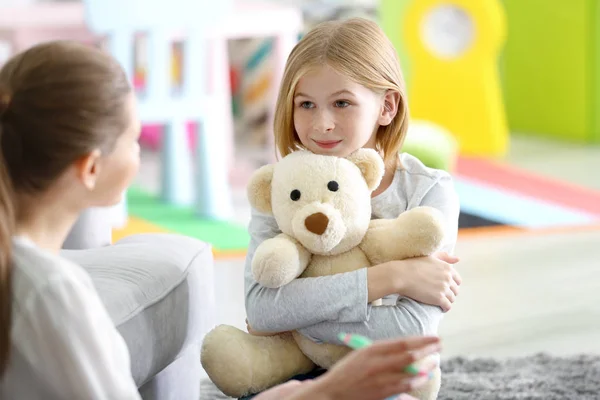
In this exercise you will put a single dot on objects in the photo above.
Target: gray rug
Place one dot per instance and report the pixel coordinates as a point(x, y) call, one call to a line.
point(530, 378)
point(535, 377)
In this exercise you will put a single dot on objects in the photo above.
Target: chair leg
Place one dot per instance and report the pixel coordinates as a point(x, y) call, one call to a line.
point(176, 179)
point(213, 193)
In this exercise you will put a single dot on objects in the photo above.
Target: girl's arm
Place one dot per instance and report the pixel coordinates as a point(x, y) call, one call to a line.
point(407, 317)
point(305, 301)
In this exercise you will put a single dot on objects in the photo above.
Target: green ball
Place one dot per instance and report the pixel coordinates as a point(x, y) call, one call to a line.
point(432, 144)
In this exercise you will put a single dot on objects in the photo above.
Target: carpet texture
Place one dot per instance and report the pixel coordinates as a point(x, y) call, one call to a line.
point(534, 377)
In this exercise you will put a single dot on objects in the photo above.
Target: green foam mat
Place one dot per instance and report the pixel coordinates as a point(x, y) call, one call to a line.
point(223, 235)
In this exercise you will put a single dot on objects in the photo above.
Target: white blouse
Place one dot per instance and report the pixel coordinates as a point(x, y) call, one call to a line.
point(64, 344)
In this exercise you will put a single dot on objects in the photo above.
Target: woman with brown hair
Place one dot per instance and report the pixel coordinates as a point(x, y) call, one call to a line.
point(68, 141)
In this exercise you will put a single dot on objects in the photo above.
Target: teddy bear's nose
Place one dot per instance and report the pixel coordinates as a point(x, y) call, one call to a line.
point(316, 223)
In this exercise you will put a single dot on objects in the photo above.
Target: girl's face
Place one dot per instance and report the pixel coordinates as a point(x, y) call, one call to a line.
point(334, 115)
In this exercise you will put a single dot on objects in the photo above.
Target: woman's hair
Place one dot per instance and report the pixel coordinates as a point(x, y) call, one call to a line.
point(358, 49)
point(58, 102)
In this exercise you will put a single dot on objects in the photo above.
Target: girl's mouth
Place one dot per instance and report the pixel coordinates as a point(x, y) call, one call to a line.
point(327, 144)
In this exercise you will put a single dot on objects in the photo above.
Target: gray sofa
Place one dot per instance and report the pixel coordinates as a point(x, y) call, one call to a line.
point(159, 291)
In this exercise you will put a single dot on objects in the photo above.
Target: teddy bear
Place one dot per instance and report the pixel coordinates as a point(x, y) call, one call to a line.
point(322, 205)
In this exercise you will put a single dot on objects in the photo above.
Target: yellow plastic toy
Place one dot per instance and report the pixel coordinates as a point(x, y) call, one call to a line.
point(453, 48)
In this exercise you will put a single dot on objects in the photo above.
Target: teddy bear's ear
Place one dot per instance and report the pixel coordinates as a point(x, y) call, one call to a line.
point(370, 164)
point(259, 189)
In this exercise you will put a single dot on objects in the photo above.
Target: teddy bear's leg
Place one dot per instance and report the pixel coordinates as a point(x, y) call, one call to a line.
point(240, 364)
point(430, 390)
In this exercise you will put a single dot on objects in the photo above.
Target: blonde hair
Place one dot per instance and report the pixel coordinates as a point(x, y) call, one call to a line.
point(359, 49)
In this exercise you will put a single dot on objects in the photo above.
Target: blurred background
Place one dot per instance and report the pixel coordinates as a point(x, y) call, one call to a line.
point(504, 94)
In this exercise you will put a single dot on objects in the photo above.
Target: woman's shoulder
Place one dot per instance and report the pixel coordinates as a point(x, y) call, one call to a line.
point(39, 273)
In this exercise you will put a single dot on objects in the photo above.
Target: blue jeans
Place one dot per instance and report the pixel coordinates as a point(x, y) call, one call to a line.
point(304, 377)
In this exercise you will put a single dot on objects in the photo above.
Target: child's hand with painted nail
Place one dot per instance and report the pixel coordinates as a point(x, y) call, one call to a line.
point(375, 372)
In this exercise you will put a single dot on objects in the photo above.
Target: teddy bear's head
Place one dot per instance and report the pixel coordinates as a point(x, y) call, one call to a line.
point(324, 202)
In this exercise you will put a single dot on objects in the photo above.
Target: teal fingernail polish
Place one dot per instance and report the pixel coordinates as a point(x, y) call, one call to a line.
point(355, 341)
point(412, 369)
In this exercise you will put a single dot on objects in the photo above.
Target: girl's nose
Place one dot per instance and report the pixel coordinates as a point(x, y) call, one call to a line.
point(324, 123)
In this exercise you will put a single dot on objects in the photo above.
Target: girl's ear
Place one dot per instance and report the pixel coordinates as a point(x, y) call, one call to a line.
point(389, 108)
point(87, 169)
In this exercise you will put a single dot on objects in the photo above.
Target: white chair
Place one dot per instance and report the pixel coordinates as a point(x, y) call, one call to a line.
point(207, 184)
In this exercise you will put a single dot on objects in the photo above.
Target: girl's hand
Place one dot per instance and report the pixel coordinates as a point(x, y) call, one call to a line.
point(255, 333)
point(375, 372)
point(430, 280)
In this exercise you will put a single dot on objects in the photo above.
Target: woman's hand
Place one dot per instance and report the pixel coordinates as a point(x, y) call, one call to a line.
point(372, 373)
point(282, 392)
point(431, 280)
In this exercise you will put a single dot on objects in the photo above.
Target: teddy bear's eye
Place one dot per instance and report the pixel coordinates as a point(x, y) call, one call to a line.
point(295, 195)
point(333, 186)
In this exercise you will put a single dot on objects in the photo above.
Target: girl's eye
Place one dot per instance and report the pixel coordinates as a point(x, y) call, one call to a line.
point(306, 104)
point(342, 104)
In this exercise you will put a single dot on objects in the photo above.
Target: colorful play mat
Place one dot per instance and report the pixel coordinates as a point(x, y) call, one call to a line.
point(148, 214)
point(501, 197)
point(494, 197)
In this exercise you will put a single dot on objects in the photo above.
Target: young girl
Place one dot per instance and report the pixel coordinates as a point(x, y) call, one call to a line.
point(68, 141)
point(343, 90)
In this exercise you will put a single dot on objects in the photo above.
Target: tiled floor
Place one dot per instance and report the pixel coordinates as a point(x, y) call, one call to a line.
point(521, 293)
point(528, 293)
point(565, 161)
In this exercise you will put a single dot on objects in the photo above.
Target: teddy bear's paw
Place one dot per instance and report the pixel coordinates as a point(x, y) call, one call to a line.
point(426, 217)
point(425, 226)
point(276, 262)
point(240, 364)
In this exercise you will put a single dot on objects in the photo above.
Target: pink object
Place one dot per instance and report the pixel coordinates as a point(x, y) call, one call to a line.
point(27, 25)
point(151, 136)
point(138, 82)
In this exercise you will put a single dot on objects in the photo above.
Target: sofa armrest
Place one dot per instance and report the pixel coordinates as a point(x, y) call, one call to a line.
point(93, 229)
point(159, 291)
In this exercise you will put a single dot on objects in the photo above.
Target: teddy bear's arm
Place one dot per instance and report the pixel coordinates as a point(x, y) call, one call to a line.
point(417, 232)
point(279, 260)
